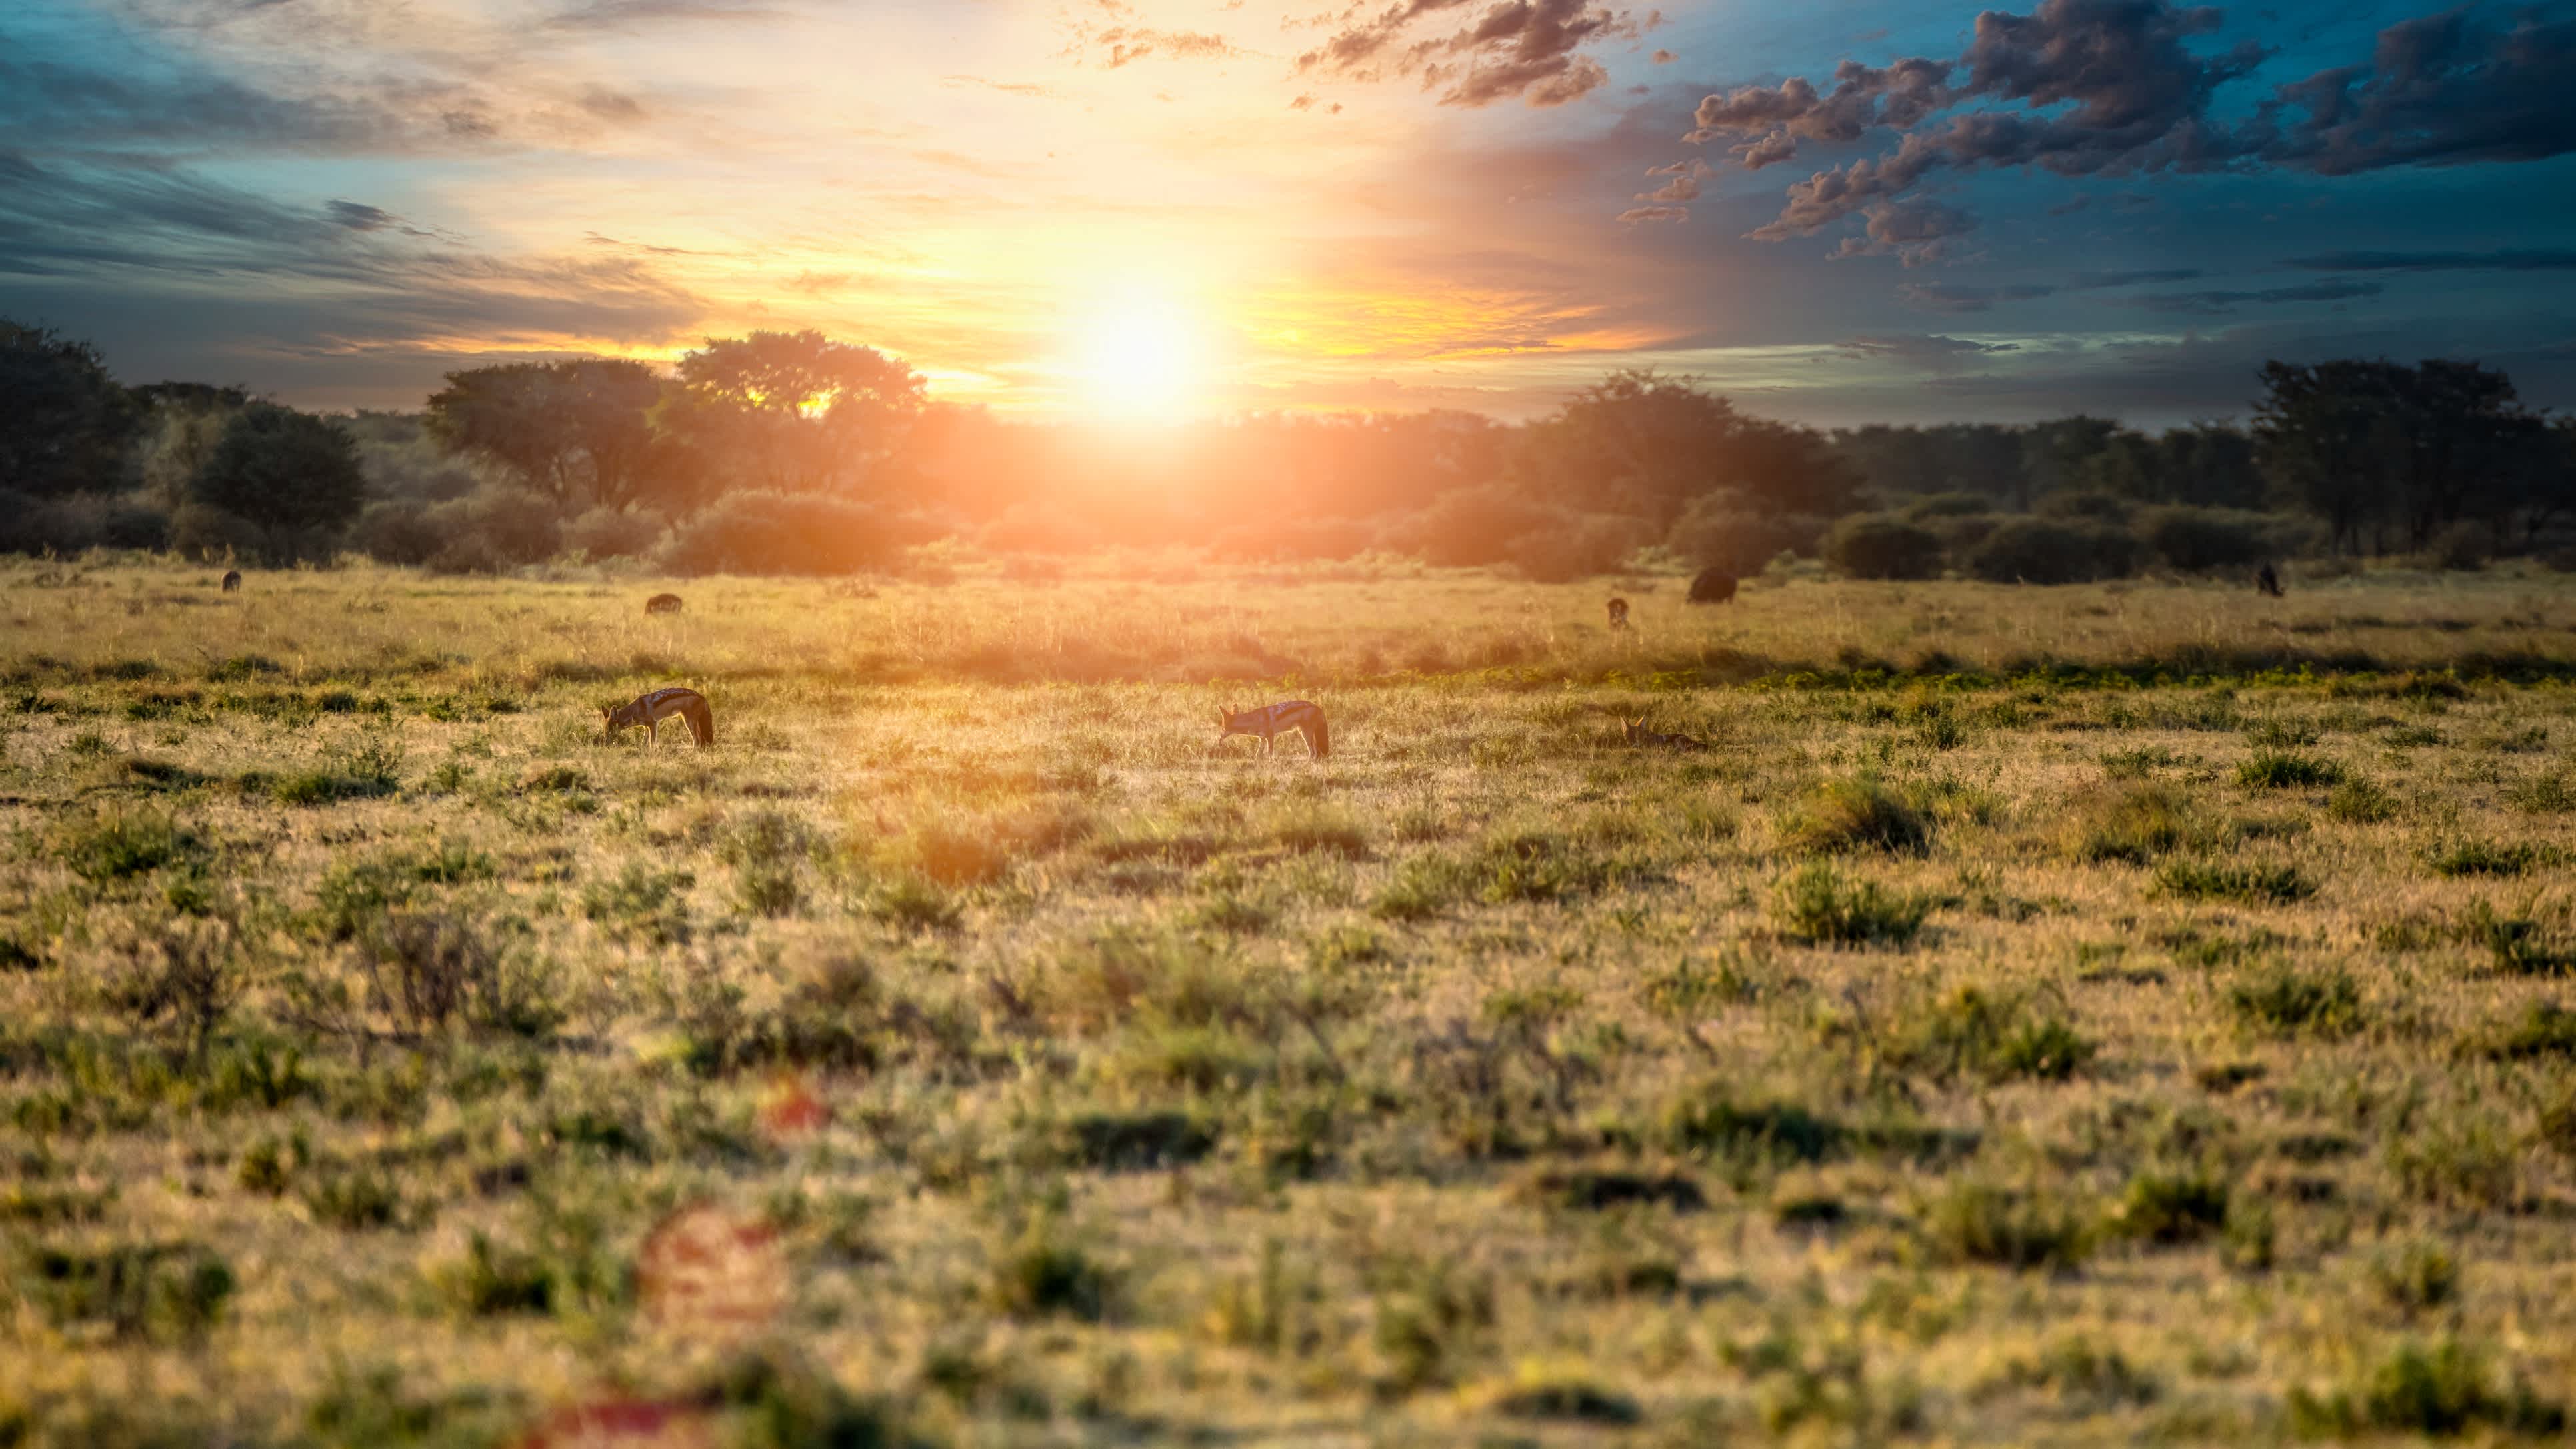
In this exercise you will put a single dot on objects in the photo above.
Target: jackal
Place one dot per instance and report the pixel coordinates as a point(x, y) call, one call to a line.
point(1278, 719)
point(660, 705)
point(1618, 614)
point(1634, 732)
point(232, 581)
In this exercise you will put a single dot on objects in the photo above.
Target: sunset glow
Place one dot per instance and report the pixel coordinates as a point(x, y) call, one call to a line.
point(1204, 208)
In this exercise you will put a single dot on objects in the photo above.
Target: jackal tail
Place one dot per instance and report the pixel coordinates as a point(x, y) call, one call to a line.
point(702, 721)
point(1319, 735)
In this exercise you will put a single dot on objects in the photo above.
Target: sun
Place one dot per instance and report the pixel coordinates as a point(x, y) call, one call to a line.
point(1140, 358)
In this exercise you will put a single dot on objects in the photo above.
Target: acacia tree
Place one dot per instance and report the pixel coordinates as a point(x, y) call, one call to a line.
point(578, 430)
point(790, 412)
point(1646, 444)
point(285, 470)
point(66, 423)
point(2370, 445)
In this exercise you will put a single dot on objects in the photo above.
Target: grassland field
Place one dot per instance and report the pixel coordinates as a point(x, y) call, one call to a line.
point(2134, 1013)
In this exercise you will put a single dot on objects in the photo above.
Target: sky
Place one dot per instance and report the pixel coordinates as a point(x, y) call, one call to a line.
point(1835, 211)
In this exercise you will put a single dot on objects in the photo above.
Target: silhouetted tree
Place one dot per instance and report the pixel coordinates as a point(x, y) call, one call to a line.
point(578, 430)
point(790, 411)
point(1645, 444)
point(282, 469)
point(64, 423)
point(2368, 446)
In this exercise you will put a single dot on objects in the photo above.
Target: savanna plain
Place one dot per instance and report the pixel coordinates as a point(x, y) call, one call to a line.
point(2097, 1014)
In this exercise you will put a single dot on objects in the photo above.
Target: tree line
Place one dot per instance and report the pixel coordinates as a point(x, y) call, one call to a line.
point(797, 453)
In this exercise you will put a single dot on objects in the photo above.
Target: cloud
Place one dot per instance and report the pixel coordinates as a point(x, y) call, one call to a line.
point(2214, 303)
point(2504, 261)
point(635, 14)
point(1129, 44)
point(1955, 298)
point(2117, 87)
point(1931, 352)
point(1917, 231)
point(1638, 214)
point(2094, 281)
point(1531, 49)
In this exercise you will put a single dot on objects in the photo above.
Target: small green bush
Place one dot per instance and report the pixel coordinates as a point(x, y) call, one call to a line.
point(114, 844)
point(2202, 880)
point(2283, 1001)
point(1979, 1222)
point(2287, 770)
point(1045, 1272)
point(2446, 1389)
point(2138, 825)
point(1817, 905)
point(2360, 802)
point(2478, 857)
point(1857, 814)
point(1882, 546)
point(2169, 1208)
point(1971, 1032)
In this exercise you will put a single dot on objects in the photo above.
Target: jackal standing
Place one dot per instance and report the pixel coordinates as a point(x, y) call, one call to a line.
point(1272, 720)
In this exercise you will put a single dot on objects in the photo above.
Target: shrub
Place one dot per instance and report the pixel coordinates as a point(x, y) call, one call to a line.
point(492, 529)
point(2417, 1276)
point(1468, 526)
point(606, 532)
point(2359, 802)
point(2446, 1389)
point(2286, 770)
point(2101, 505)
point(397, 531)
point(2138, 825)
point(1817, 905)
point(203, 532)
point(1972, 1032)
point(1584, 545)
point(1881, 546)
point(2516, 945)
point(2198, 540)
point(1856, 814)
point(786, 533)
point(2283, 1001)
point(278, 468)
point(1044, 1272)
point(2203, 880)
point(1718, 531)
point(158, 1292)
point(2477, 857)
point(2170, 1208)
point(2044, 551)
point(113, 844)
point(1978, 1222)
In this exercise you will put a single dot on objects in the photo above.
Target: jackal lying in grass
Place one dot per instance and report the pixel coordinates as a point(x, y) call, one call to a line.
point(1277, 719)
point(1634, 732)
point(660, 705)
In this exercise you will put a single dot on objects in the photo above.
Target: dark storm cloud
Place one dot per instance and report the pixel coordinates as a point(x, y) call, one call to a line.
point(1532, 49)
point(104, 230)
point(2094, 281)
point(2214, 303)
point(1956, 298)
point(2505, 261)
point(2116, 87)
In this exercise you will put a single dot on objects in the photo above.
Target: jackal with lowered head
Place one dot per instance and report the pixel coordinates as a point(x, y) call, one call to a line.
point(661, 704)
point(1634, 732)
point(1272, 720)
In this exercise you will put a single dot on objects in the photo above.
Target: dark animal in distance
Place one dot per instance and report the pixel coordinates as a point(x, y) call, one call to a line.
point(662, 604)
point(1272, 720)
point(649, 712)
point(1618, 614)
point(232, 581)
point(2267, 582)
point(1713, 586)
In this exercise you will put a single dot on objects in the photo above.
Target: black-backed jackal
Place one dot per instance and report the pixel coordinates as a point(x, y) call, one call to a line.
point(1272, 720)
point(1618, 615)
point(661, 704)
point(1634, 732)
point(232, 581)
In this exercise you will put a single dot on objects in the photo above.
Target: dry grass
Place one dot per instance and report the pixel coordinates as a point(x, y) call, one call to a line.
point(1980, 1059)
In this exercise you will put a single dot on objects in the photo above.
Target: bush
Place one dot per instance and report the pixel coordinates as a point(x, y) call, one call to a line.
point(1977, 1222)
point(2101, 505)
point(2442, 1390)
point(285, 470)
point(2046, 551)
point(1881, 546)
point(1717, 531)
point(2171, 1208)
point(2287, 770)
point(2197, 540)
point(492, 529)
point(1974, 1033)
point(786, 533)
point(1584, 545)
point(1857, 814)
point(1819, 906)
point(397, 532)
point(204, 532)
point(2285, 1002)
point(65, 526)
point(2137, 826)
point(614, 532)
point(2201, 880)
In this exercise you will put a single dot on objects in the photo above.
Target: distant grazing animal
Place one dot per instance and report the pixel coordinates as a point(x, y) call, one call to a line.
point(232, 581)
point(1618, 614)
point(661, 704)
point(1272, 720)
point(1634, 732)
point(2267, 582)
point(662, 604)
point(1713, 586)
